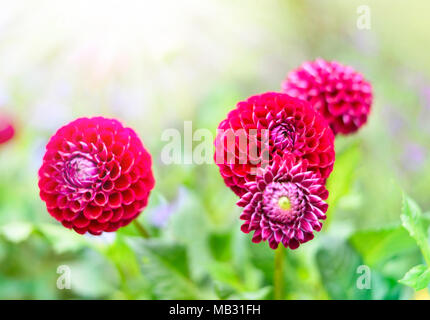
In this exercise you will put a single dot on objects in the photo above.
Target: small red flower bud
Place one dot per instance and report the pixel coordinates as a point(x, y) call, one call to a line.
point(7, 130)
point(338, 92)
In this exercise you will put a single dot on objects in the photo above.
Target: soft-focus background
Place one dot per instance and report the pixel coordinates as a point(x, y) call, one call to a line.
point(155, 64)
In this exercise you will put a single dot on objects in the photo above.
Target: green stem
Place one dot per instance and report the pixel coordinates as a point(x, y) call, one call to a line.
point(141, 229)
point(278, 279)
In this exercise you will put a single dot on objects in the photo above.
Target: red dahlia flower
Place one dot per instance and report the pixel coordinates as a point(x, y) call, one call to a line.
point(96, 175)
point(7, 131)
point(340, 93)
point(284, 204)
point(272, 124)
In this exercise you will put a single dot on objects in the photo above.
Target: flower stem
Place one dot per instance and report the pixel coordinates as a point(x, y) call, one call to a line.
point(141, 229)
point(278, 279)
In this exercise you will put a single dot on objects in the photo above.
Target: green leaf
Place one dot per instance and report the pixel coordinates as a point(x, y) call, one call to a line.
point(16, 231)
point(262, 257)
point(225, 273)
point(229, 284)
point(92, 277)
point(133, 284)
point(222, 290)
point(123, 258)
point(259, 294)
point(342, 177)
point(62, 239)
point(378, 245)
point(413, 221)
point(220, 244)
point(418, 277)
point(189, 226)
point(338, 263)
point(165, 265)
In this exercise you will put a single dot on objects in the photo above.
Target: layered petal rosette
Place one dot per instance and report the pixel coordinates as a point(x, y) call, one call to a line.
point(284, 204)
point(96, 175)
point(338, 92)
point(267, 125)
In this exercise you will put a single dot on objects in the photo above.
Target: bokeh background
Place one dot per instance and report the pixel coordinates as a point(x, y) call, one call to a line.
point(156, 64)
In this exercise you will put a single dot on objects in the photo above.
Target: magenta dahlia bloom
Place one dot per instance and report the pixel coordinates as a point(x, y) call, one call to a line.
point(272, 124)
point(96, 175)
point(284, 204)
point(338, 92)
point(7, 130)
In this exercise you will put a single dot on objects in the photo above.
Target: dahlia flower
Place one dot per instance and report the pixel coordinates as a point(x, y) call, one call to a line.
point(7, 130)
point(96, 175)
point(284, 204)
point(338, 92)
point(272, 124)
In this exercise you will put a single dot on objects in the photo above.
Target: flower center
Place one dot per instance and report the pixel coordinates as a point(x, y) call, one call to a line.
point(81, 172)
point(282, 201)
point(283, 136)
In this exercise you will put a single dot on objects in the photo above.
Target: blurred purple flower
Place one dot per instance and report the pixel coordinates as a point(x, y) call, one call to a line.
point(413, 157)
point(105, 238)
point(395, 120)
point(425, 111)
point(425, 97)
point(412, 79)
point(54, 106)
point(366, 42)
point(418, 82)
point(37, 152)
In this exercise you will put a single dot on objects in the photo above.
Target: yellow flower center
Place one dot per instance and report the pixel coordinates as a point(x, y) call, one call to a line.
point(284, 203)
